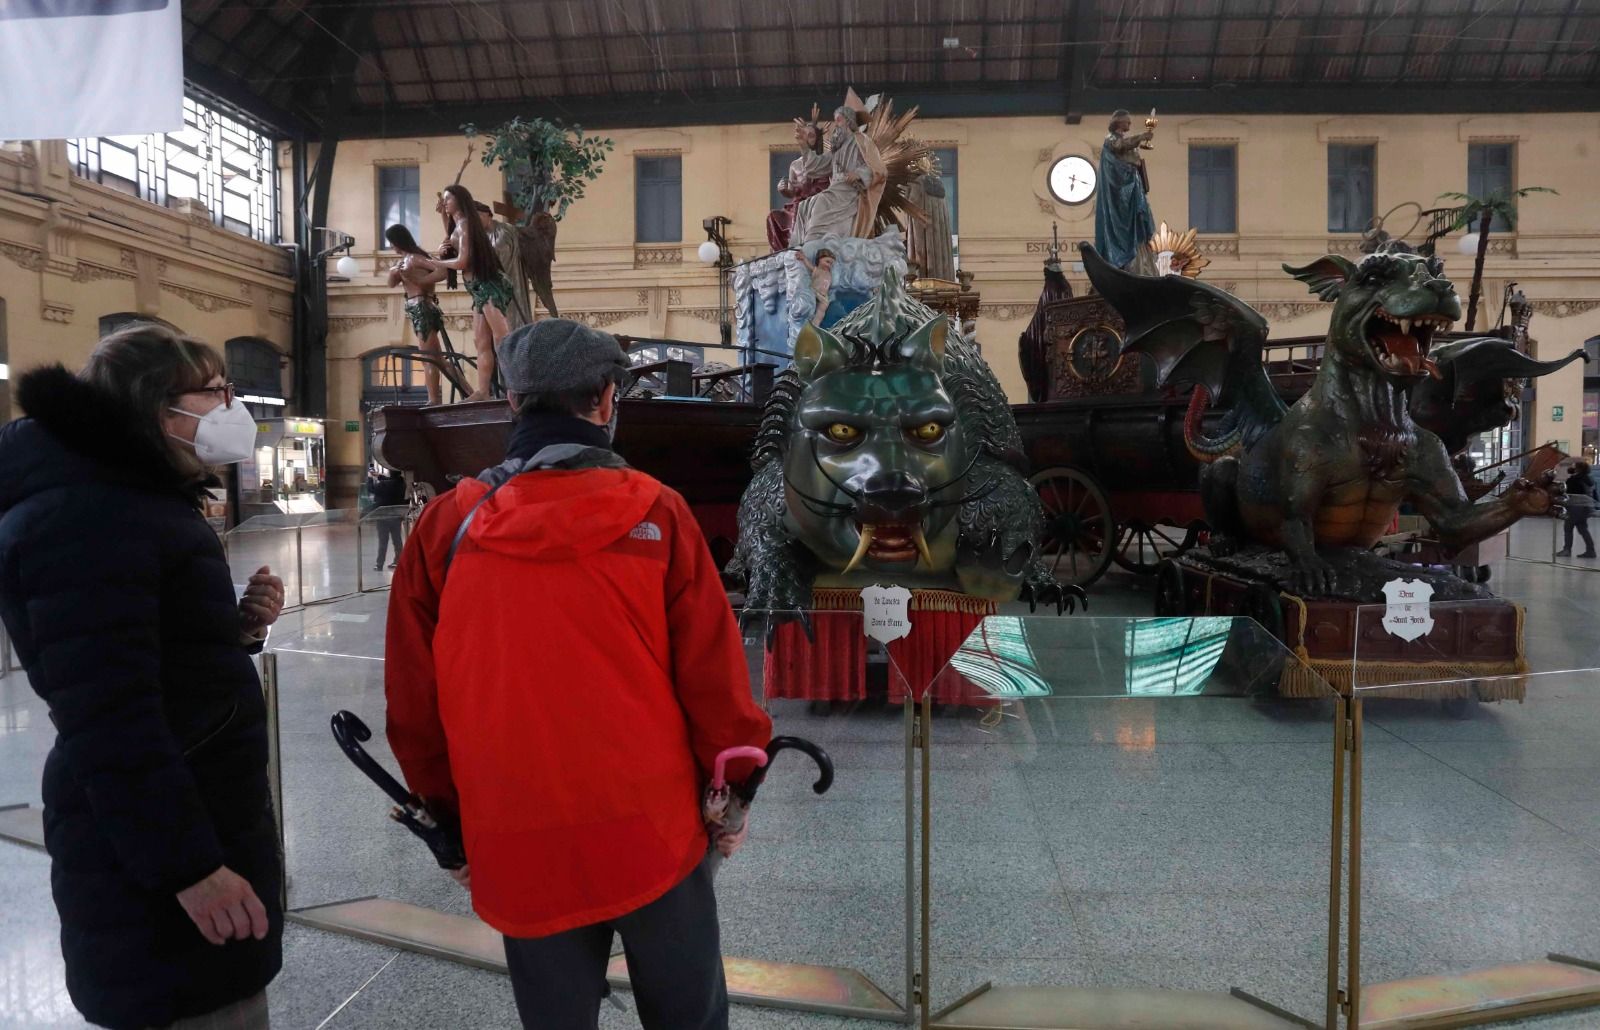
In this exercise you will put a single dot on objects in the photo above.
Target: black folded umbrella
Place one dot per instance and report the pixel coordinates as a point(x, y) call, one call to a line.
point(442, 837)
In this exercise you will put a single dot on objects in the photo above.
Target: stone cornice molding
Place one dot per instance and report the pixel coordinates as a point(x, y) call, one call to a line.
point(1363, 130)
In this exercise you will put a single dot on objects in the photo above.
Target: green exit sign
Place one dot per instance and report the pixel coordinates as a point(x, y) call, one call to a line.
point(1557, 413)
point(352, 425)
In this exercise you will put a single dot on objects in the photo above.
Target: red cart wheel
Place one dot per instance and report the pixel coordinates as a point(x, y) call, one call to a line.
point(1077, 542)
point(1141, 547)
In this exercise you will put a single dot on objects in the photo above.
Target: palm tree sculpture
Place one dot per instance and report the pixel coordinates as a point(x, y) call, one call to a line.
point(1483, 211)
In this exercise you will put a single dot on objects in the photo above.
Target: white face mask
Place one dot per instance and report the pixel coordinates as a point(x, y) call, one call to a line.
point(226, 434)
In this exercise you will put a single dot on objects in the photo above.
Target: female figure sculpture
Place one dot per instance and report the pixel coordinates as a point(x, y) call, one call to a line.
point(469, 251)
point(422, 307)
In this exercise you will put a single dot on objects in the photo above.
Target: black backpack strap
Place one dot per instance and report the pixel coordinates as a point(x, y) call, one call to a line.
point(461, 531)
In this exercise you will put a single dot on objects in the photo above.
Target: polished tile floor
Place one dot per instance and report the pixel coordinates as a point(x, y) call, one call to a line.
point(1176, 842)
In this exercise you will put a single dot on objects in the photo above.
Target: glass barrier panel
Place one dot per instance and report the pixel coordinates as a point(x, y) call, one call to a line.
point(328, 555)
point(33, 988)
point(268, 540)
point(1534, 540)
point(26, 737)
point(823, 880)
point(1476, 650)
point(340, 842)
point(354, 628)
point(383, 532)
point(1479, 836)
point(1131, 804)
point(261, 523)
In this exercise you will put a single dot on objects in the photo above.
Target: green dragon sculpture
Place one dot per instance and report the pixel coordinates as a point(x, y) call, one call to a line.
point(1331, 471)
point(888, 454)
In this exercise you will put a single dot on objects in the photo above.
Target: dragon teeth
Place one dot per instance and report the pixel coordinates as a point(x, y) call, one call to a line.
point(1405, 325)
point(867, 532)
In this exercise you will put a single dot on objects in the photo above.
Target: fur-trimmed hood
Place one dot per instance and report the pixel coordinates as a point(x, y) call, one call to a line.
point(76, 430)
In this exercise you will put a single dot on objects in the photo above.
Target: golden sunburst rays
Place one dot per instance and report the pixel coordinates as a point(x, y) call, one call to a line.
point(1186, 257)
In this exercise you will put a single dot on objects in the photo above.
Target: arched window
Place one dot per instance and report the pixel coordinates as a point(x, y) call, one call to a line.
point(256, 369)
point(111, 323)
point(388, 378)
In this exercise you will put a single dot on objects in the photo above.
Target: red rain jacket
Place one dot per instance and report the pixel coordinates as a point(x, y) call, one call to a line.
point(567, 691)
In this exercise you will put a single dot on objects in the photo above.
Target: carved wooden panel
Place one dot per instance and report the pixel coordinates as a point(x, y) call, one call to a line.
point(1084, 356)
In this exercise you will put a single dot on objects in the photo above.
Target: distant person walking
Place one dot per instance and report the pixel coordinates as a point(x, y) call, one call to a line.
point(1580, 504)
point(157, 817)
point(387, 490)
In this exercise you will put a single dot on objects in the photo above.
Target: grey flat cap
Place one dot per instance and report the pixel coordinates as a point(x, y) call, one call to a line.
point(557, 354)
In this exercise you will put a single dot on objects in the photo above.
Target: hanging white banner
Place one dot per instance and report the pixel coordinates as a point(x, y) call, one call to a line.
point(71, 69)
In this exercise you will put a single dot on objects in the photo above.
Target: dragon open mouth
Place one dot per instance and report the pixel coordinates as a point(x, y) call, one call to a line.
point(890, 542)
point(1400, 345)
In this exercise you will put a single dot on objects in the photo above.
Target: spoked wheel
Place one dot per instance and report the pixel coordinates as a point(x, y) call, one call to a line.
point(1141, 547)
point(1077, 541)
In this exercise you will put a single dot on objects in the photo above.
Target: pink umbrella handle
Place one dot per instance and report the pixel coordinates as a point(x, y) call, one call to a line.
point(718, 777)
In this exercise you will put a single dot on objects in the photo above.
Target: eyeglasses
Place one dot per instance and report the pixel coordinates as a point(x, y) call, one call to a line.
point(225, 391)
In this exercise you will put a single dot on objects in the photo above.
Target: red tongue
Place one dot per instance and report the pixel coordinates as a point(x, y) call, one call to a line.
point(1403, 347)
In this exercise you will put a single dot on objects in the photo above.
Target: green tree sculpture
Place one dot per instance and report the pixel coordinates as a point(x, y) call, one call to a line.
point(1483, 210)
point(547, 165)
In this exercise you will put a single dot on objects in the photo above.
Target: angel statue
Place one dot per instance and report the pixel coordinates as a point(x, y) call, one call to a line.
point(808, 175)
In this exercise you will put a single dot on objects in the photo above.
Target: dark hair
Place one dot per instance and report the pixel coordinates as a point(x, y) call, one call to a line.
point(483, 209)
point(145, 365)
point(1117, 116)
point(485, 265)
point(1580, 468)
point(817, 137)
point(825, 252)
point(400, 239)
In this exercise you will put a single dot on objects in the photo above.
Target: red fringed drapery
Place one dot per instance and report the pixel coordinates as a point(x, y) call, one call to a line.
point(834, 667)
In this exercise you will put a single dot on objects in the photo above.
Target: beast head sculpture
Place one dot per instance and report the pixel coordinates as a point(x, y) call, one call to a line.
point(887, 454)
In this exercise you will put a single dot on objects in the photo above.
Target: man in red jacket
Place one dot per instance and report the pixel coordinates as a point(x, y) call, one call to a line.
point(562, 670)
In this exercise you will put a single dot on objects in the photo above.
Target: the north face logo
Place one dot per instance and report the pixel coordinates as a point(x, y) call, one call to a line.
point(645, 531)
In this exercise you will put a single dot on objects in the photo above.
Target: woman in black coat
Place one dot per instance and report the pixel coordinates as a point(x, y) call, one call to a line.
point(115, 590)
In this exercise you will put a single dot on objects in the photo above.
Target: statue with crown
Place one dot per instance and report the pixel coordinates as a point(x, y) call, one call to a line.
point(887, 458)
point(862, 195)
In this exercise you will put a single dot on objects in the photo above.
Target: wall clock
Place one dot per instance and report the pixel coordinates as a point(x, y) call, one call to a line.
point(1072, 179)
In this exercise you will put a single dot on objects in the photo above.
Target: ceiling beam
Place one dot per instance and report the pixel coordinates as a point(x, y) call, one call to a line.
point(735, 107)
point(239, 94)
point(1078, 56)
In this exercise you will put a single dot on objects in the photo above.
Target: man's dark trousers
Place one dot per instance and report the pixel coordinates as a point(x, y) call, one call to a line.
point(674, 953)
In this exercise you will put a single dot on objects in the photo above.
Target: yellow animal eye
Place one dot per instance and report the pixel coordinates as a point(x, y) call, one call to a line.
point(928, 432)
point(843, 432)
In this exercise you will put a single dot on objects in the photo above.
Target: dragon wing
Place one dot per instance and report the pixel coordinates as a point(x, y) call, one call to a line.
point(1468, 397)
point(1195, 333)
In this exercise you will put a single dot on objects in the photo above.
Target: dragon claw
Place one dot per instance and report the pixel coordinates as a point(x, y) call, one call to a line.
point(1066, 598)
